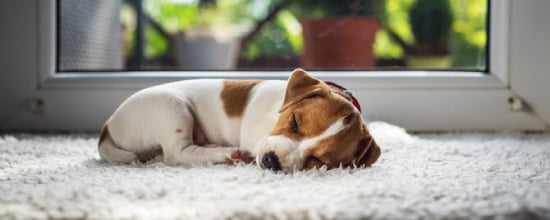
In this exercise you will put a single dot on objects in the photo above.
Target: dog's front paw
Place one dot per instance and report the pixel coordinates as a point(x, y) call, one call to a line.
point(239, 156)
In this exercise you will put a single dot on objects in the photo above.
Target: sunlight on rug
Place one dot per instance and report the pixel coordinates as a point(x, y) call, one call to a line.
point(438, 176)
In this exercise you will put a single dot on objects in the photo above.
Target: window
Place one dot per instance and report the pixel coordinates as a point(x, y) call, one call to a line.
point(508, 65)
point(272, 35)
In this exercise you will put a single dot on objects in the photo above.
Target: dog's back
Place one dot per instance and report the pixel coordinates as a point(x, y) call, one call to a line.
point(236, 113)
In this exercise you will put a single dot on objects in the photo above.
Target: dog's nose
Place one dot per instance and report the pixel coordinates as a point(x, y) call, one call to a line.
point(271, 161)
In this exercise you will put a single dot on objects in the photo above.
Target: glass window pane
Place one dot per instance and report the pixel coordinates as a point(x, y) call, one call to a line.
point(119, 35)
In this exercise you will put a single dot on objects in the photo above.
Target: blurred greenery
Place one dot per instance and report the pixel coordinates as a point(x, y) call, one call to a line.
point(396, 19)
point(127, 18)
point(282, 36)
point(469, 35)
point(155, 46)
point(236, 16)
point(430, 21)
point(325, 8)
point(182, 15)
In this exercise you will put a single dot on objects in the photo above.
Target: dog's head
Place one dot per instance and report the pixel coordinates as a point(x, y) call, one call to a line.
point(316, 127)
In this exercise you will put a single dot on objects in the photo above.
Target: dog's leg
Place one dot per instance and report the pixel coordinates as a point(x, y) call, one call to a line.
point(183, 151)
point(178, 139)
point(194, 154)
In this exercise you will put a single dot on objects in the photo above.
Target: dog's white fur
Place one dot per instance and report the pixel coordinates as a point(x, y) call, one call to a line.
point(151, 116)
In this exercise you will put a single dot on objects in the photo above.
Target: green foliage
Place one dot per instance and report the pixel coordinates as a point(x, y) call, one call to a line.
point(467, 31)
point(127, 18)
point(173, 17)
point(384, 47)
point(397, 19)
point(431, 20)
point(282, 38)
point(325, 8)
point(177, 16)
point(470, 20)
point(469, 37)
point(180, 16)
point(156, 45)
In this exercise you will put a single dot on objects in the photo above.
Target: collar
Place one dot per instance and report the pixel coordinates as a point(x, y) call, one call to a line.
point(340, 90)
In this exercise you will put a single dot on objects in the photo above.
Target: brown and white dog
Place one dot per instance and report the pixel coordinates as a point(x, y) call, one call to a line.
point(289, 125)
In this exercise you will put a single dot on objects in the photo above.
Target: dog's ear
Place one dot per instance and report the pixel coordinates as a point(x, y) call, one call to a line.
point(301, 85)
point(368, 150)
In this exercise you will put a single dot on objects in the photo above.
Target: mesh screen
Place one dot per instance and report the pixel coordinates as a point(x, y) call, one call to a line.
point(90, 35)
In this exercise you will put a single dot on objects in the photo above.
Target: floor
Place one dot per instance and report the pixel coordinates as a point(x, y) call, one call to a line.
point(430, 176)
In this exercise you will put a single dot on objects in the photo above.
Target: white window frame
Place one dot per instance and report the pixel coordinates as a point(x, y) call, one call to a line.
point(416, 100)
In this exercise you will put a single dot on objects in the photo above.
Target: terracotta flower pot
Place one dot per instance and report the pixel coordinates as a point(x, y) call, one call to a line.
point(339, 42)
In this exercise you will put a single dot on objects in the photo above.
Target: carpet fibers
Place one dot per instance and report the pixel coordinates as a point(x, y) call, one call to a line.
point(438, 176)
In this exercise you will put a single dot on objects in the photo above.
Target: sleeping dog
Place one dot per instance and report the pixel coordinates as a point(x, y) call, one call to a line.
point(298, 124)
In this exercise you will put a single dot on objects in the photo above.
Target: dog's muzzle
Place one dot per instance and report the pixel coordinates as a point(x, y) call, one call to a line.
point(270, 161)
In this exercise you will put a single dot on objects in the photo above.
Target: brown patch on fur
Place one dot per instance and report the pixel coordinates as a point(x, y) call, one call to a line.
point(301, 86)
point(336, 149)
point(353, 146)
point(235, 95)
point(313, 117)
point(368, 150)
point(104, 135)
point(178, 130)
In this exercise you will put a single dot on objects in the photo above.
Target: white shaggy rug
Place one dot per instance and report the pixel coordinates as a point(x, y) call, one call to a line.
point(439, 176)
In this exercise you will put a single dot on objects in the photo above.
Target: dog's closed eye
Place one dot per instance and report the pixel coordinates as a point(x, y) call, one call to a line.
point(293, 124)
point(315, 160)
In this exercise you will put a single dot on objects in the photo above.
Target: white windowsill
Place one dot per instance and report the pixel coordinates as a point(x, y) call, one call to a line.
point(352, 80)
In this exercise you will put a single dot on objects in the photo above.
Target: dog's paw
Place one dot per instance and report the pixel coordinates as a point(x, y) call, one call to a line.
point(239, 156)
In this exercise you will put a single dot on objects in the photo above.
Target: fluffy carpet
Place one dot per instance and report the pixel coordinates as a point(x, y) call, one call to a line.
point(437, 176)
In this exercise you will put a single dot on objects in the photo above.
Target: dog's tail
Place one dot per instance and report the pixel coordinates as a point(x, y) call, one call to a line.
point(109, 151)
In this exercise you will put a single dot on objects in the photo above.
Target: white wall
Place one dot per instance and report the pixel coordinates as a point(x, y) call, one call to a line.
point(530, 54)
point(18, 57)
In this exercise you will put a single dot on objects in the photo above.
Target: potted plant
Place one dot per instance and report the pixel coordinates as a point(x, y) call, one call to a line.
point(206, 34)
point(339, 34)
point(430, 22)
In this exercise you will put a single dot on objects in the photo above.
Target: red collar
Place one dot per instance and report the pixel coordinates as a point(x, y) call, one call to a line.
point(340, 90)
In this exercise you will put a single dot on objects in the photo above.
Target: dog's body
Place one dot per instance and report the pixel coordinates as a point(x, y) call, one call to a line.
point(216, 121)
point(164, 116)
